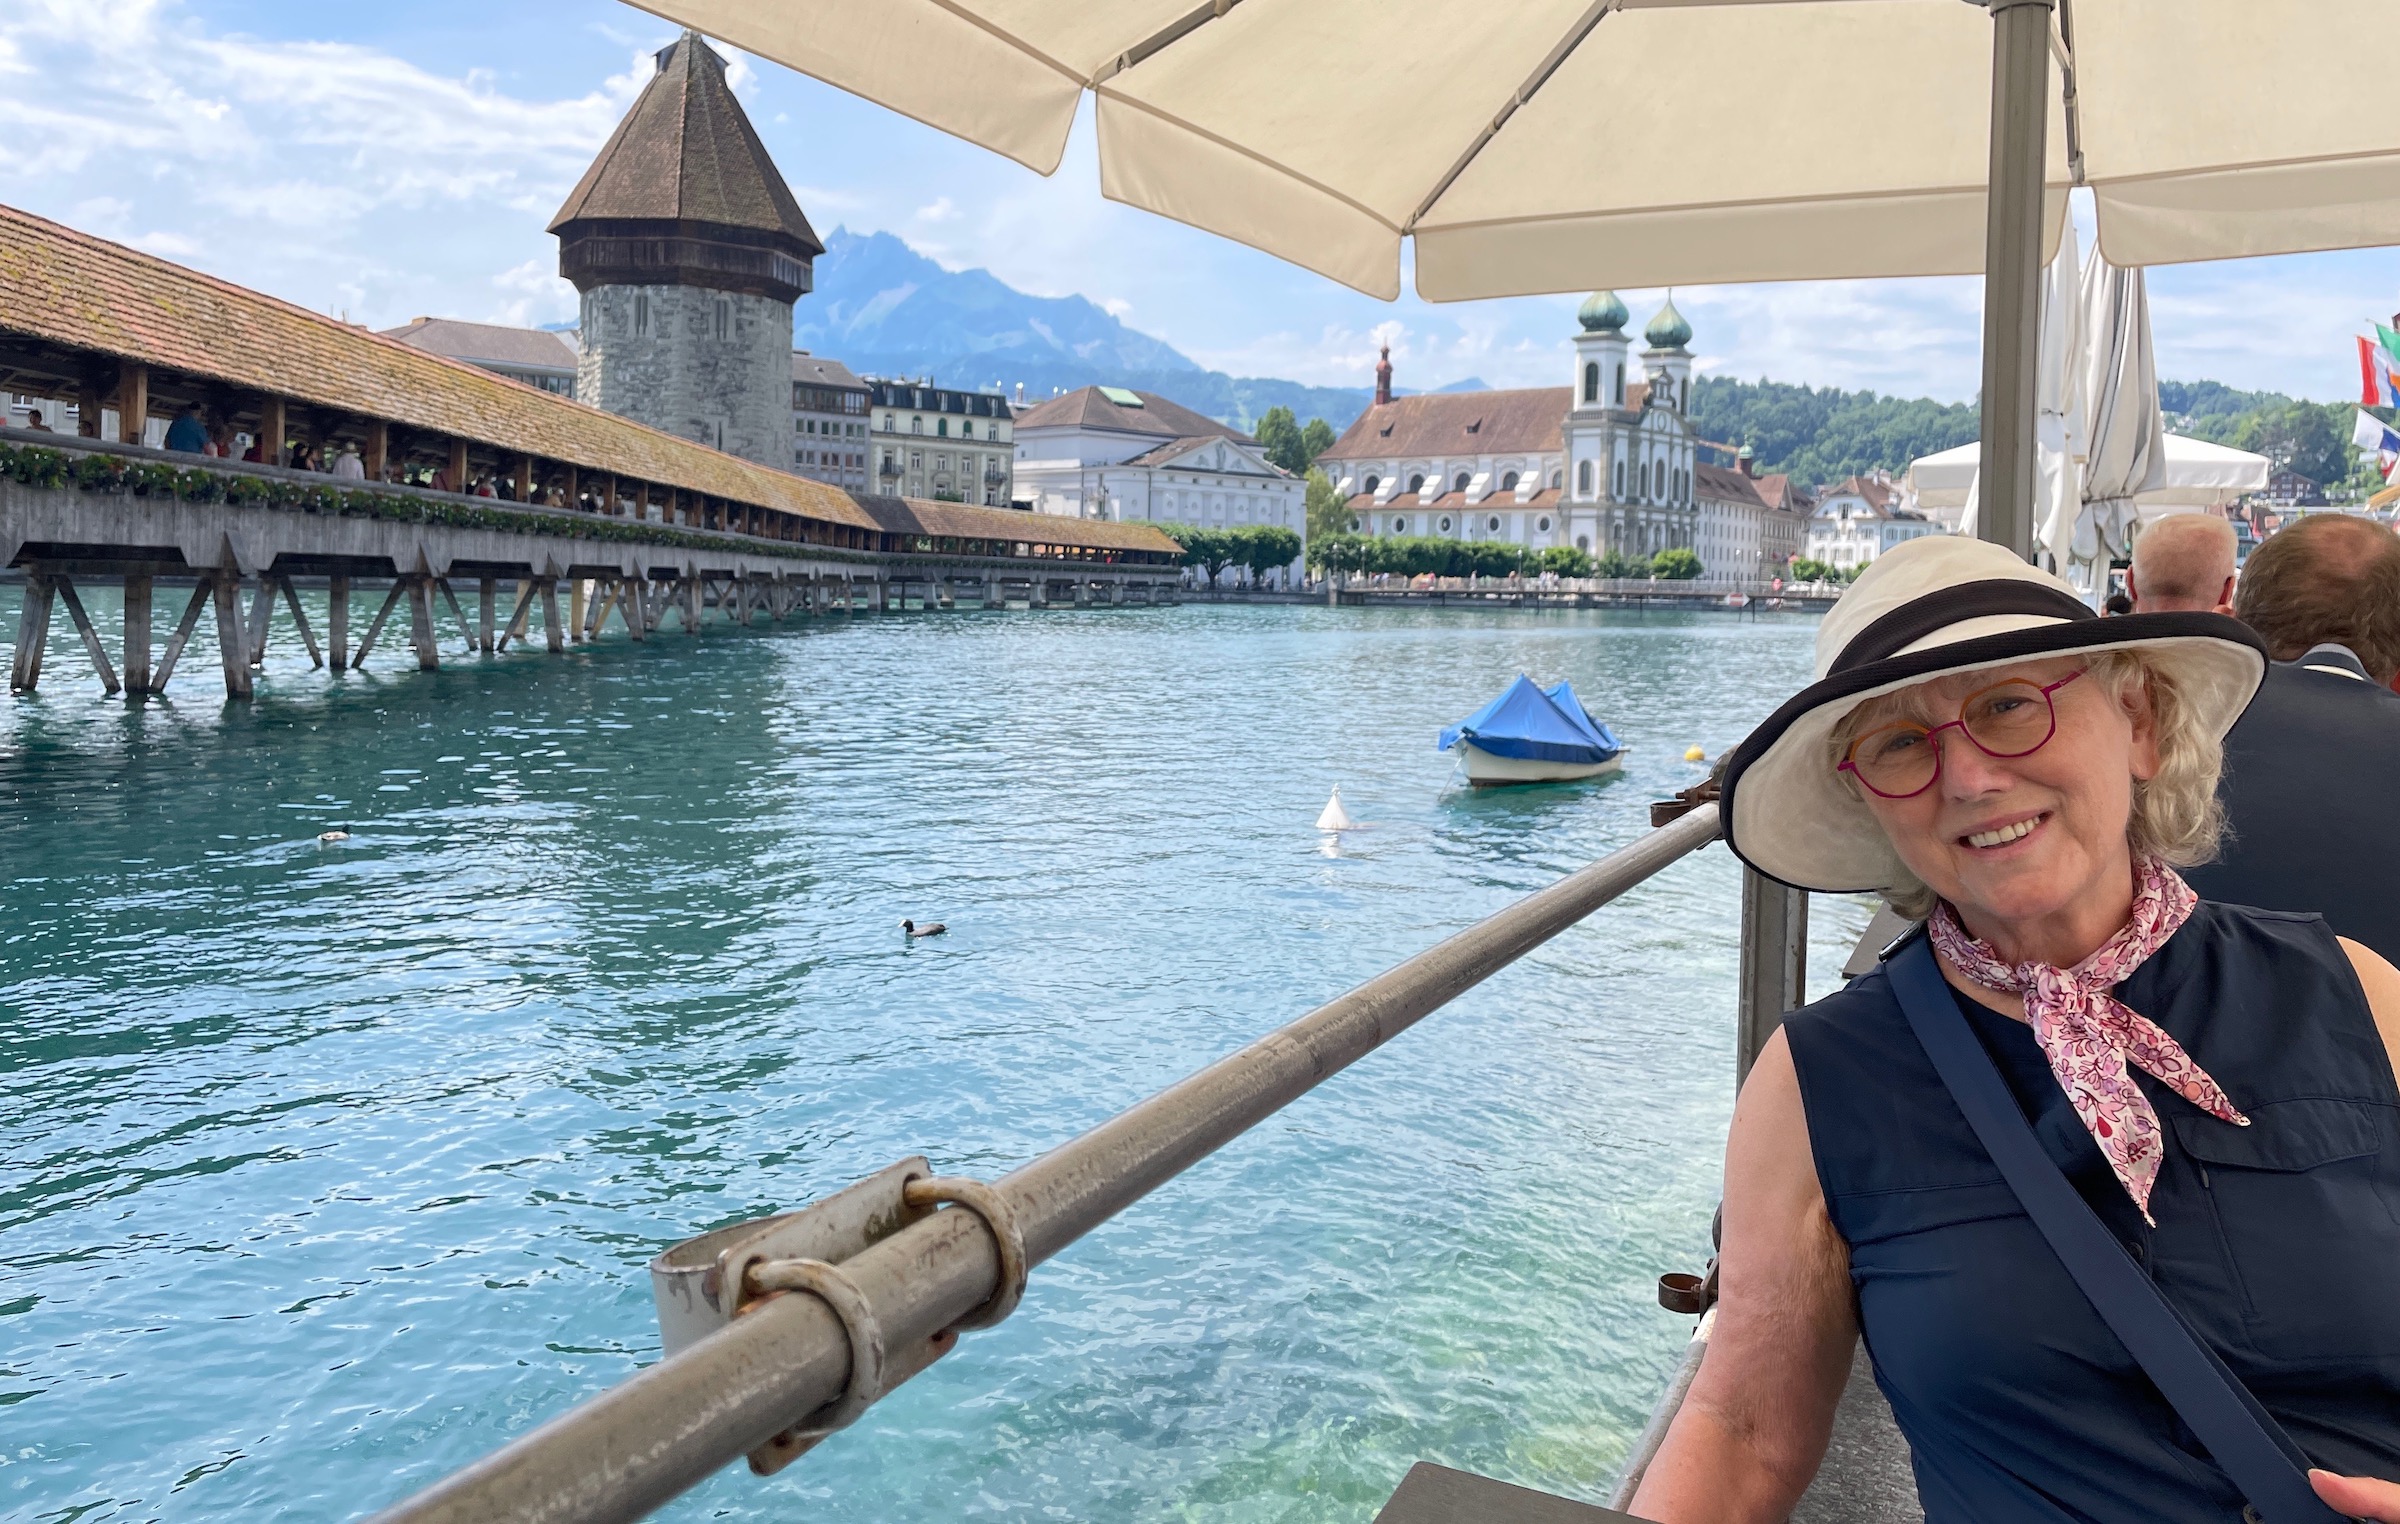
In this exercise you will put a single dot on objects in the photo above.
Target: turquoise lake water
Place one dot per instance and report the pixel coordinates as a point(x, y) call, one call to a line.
point(324, 1170)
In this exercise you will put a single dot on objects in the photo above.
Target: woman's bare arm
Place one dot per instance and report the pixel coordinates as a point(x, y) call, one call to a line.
point(2382, 984)
point(1752, 1431)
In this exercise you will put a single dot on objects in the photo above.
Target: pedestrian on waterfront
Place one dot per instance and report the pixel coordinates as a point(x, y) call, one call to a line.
point(33, 421)
point(2213, 1116)
point(187, 434)
point(2308, 793)
point(348, 466)
point(2181, 563)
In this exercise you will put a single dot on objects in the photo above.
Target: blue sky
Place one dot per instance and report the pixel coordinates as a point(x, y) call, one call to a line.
point(401, 159)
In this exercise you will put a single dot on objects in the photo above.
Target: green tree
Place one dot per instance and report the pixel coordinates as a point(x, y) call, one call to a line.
point(1279, 433)
point(1567, 561)
point(1328, 514)
point(1316, 439)
point(1676, 564)
point(1497, 558)
point(1212, 550)
point(1807, 570)
point(1619, 566)
point(1264, 547)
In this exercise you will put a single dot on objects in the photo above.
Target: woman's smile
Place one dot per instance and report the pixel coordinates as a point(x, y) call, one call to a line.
point(1993, 838)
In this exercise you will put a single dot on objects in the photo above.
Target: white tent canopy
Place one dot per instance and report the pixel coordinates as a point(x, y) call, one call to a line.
point(2197, 475)
point(1557, 145)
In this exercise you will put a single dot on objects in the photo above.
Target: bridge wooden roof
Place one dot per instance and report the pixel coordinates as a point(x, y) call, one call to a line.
point(915, 516)
point(73, 289)
point(83, 293)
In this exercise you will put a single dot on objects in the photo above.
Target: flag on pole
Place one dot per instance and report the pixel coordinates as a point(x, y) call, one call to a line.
point(2378, 386)
point(2372, 433)
point(2390, 338)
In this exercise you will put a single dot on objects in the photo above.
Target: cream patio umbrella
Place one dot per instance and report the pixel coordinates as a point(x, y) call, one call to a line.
point(1507, 143)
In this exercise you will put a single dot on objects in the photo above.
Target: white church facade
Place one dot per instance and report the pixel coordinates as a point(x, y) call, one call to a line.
point(1605, 463)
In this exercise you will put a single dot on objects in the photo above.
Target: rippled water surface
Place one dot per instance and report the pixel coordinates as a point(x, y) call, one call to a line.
point(325, 1169)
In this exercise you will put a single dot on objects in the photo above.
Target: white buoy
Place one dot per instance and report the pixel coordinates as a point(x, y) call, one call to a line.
point(1335, 817)
point(327, 838)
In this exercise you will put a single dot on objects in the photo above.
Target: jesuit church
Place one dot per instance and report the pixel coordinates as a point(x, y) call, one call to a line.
point(1606, 463)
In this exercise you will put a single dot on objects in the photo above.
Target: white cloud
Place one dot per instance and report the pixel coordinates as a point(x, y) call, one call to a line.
point(938, 211)
point(1116, 307)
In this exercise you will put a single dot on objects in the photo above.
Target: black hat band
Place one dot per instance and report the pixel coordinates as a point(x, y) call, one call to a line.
point(1938, 610)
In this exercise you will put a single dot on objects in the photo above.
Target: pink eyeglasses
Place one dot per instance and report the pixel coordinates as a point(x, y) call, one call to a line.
point(2012, 719)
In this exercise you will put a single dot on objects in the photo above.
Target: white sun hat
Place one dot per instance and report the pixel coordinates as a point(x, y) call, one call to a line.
point(1926, 608)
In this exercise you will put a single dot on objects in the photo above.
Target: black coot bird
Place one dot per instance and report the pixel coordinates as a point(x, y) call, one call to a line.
point(930, 929)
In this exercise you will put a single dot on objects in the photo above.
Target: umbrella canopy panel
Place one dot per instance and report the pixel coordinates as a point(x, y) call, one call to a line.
point(2198, 474)
point(1556, 145)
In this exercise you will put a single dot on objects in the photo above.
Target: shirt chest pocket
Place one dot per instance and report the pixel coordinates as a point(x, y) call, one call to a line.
point(2305, 1200)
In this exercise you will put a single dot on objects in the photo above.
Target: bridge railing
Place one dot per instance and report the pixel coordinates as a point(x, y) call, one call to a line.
point(781, 1330)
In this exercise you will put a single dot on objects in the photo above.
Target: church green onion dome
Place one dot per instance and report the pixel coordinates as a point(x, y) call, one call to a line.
point(1602, 312)
point(1668, 330)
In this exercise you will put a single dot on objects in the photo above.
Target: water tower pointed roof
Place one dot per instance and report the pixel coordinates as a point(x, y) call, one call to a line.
point(686, 160)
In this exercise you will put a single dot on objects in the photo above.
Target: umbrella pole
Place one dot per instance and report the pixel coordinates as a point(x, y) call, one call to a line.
point(2012, 266)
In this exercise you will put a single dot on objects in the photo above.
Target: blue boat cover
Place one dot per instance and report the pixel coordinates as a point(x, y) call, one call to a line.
point(1529, 723)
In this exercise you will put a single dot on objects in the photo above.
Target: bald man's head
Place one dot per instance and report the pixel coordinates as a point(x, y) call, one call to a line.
point(2183, 562)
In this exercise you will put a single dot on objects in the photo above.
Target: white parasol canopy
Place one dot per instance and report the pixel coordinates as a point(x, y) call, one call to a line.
point(1504, 142)
point(1556, 145)
point(2125, 433)
point(2196, 474)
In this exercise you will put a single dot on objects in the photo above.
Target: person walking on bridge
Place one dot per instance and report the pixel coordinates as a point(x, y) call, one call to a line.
point(2080, 1099)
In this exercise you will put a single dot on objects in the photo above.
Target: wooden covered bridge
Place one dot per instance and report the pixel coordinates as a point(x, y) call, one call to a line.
point(459, 476)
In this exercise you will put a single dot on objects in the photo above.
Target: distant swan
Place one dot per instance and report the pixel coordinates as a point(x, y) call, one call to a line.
point(914, 930)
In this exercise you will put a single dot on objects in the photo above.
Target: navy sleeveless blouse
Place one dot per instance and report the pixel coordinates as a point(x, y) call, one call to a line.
point(2279, 1242)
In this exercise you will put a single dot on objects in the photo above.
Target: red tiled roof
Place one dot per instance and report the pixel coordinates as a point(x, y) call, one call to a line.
point(488, 343)
point(72, 289)
point(1159, 417)
point(1726, 485)
point(908, 515)
point(1448, 424)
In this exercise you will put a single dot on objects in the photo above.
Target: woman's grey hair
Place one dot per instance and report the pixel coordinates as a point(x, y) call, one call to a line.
point(2176, 815)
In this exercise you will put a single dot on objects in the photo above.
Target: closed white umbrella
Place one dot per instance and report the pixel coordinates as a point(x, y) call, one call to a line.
point(1503, 141)
point(2058, 403)
point(2125, 449)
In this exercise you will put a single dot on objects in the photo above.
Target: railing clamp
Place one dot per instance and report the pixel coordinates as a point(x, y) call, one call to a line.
point(1007, 1237)
point(771, 1278)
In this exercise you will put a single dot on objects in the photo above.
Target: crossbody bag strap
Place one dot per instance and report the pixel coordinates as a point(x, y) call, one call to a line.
point(2244, 1438)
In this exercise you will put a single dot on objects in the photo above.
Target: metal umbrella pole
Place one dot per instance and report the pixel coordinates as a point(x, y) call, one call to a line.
point(2012, 269)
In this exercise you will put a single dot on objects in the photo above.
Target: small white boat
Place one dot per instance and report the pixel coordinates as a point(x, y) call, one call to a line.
point(1533, 735)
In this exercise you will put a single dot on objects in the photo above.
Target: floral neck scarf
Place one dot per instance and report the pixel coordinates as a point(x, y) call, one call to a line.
point(2088, 1034)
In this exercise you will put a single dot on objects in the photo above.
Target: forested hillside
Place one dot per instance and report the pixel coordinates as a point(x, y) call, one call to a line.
point(1821, 434)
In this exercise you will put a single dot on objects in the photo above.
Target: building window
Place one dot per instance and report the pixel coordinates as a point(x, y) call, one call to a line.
point(1493, 524)
point(1445, 526)
point(941, 426)
point(641, 317)
point(1543, 526)
point(916, 460)
point(724, 319)
point(1460, 483)
point(1619, 478)
point(1508, 482)
point(1583, 542)
point(1416, 483)
point(1583, 479)
point(1399, 526)
point(1357, 524)
point(1374, 482)
point(916, 425)
point(1591, 382)
point(1620, 373)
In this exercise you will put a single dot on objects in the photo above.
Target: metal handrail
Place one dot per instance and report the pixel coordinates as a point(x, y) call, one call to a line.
point(664, 1429)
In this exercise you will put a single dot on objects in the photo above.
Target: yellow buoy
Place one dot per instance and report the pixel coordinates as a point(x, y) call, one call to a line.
point(1695, 754)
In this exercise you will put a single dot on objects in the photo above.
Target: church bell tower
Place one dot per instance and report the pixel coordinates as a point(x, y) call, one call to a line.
point(689, 250)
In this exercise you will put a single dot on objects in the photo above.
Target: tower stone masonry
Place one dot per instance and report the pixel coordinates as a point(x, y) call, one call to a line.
point(689, 250)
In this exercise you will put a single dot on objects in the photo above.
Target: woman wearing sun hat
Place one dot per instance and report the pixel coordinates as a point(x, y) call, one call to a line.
point(2214, 1083)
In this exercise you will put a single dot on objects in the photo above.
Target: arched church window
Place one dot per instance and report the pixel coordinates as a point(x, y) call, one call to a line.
point(1583, 479)
point(1416, 483)
point(1508, 482)
point(1556, 478)
point(1619, 491)
point(1591, 382)
point(1374, 482)
point(1460, 483)
point(1620, 386)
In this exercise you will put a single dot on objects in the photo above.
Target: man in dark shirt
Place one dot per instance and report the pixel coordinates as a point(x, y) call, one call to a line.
point(2312, 771)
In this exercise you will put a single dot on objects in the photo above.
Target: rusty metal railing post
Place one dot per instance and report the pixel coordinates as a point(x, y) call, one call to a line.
point(1774, 976)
